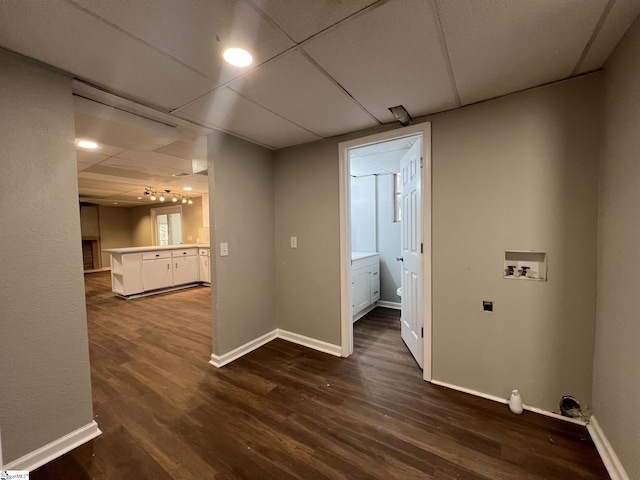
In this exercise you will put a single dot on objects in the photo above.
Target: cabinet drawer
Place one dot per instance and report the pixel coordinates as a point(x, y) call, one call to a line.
point(188, 252)
point(155, 255)
point(375, 289)
point(375, 271)
point(204, 252)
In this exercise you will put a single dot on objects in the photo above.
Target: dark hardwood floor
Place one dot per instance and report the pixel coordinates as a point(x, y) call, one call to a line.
point(285, 411)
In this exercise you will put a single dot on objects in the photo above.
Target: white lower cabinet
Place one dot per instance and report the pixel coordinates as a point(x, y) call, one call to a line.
point(126, 273)
point(365, 283)
point(204, 264)
point(156, 270)
point(185, 266)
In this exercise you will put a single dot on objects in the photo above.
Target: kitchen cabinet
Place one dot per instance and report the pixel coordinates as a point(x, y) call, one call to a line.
point(185, 266)
point(204, 255)
point(156, 270)
point(136, 270)
point(365, 282)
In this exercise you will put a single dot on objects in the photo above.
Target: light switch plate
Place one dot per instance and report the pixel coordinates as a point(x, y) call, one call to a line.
point(224, 249)
point(294, 242)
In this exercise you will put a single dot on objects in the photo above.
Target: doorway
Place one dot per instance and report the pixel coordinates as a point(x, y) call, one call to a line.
point(167, 225)
point(412, 208)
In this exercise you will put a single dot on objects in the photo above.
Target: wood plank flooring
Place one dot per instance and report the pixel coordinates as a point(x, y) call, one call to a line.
point(285, 411)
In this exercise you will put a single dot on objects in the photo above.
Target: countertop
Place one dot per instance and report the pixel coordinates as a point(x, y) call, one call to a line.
point(154, 248)
point(360, 255)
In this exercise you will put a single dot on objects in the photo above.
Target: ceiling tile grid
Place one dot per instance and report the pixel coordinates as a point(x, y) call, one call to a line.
point(504, 46)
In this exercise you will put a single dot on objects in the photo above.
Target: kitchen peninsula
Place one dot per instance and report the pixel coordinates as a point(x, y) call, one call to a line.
point(139, 271)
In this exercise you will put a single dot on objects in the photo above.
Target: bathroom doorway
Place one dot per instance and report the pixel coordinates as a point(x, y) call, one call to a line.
point(386, 234)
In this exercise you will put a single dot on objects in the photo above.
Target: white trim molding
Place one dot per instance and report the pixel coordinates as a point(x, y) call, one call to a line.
point(385, 304)
point(222, 360)
point(309, 342)
point(505, 401)
point(55, 449)
point(608, 455)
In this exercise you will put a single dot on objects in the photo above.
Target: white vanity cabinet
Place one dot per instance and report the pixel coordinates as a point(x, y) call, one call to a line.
point(156, 270)
point(185, 266)
point(365, 282)
point(204, 256)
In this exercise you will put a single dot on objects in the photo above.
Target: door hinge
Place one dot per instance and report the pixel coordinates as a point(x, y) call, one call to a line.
point(422, 248)
point(422, 332)
point(421, 162)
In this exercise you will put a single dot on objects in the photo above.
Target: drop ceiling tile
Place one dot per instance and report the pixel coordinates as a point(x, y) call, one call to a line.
point(294, 88)
point(196, 31)
point(94, 192)
point(503, 46)
point(225, 110)
point(85, 156)
point(360, 168)
point(83, 166)
point(618, 21)
point(391, 55)
point(304, 18)
point(67, 37)
point(180, 149)
point(154, 159)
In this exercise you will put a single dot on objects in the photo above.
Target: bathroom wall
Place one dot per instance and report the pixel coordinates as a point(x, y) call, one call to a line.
point(616, 383)
point(363, 214)
point(389, 240)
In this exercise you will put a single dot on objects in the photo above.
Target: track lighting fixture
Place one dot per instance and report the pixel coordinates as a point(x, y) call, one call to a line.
point(163, 195)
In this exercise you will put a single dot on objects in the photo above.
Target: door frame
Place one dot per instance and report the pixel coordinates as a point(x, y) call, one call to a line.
point(165, 210)
point(346, 313)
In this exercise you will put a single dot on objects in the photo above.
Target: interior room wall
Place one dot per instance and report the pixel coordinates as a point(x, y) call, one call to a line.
point(389, 246)
point(241, 206)
point(115, 230)
point(89, 221)
point(45, 391)
point(518, 172)
point(363, 214)
point(307, 207)
point(616, 384)
point(141, 227)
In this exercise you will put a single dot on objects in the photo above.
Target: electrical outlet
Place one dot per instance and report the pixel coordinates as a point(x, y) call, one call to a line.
point(487, 305)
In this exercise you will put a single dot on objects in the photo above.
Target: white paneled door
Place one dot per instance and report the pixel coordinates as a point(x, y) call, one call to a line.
point(412, 302)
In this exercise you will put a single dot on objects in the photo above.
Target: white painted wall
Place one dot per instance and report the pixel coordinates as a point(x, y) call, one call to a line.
point(363, 214)
point(616, 381)
point(389, 239)
point(45, 392)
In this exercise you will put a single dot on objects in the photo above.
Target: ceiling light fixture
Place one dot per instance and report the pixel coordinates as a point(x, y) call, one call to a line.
point(162, 195)
point(87, 144)
point(400, 113)
point(187, 189)
point(237, 57)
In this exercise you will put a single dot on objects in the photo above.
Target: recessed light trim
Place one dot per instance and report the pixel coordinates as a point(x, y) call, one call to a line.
point(238, 57)
point(87, 144)
point(187, 189)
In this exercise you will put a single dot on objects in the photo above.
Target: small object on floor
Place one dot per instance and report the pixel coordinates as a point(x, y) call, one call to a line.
point(515, 402)
point(570, 407)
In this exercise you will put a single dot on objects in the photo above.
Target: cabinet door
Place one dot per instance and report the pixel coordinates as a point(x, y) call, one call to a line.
point(361, 288)
point(185, 270)
point(205, 271)
point(157, 273)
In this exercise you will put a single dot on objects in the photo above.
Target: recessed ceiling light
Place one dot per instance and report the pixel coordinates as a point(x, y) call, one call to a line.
point(237, 57)
point(187, 189)
point(139, 198)
point(87, 144)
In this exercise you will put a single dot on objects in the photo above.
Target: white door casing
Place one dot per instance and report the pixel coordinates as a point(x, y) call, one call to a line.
point(412, 305)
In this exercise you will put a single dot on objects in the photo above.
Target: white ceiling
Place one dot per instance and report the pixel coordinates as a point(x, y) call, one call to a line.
point(322, 67)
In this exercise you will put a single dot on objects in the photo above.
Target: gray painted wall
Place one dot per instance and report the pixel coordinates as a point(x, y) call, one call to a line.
point(115, 230)
point(45, 380)
point(363, 214)
point(242, 214)
point(616, 384)
point(307, 207)
point(515, 172)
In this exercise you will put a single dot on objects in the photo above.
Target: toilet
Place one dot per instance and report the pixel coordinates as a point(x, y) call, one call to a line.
point(399, 291)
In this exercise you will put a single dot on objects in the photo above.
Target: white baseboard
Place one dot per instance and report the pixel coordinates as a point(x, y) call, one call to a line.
point(310, 342)
point(505, 401)
point(222, 360)
point(394, 305)
point(608, 455)
point(55, 449)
